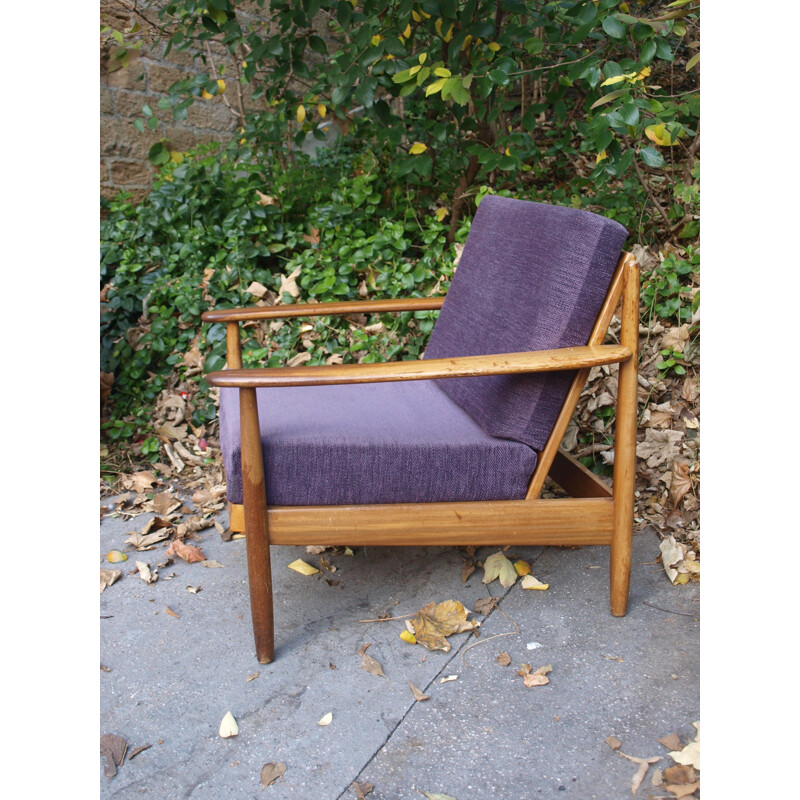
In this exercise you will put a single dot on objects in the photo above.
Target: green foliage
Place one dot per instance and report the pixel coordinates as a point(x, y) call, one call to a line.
point(214, 224)
point(458, 92)
point(667, 291)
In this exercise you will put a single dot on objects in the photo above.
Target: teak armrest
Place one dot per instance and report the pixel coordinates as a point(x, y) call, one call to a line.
point(463, 366)
point(323, 309)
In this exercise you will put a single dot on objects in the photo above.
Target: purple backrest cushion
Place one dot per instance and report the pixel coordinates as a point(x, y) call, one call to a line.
point(531, 277)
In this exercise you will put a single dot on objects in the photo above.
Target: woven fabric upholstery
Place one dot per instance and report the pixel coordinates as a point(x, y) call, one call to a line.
point(531, 277)
point(372, 443)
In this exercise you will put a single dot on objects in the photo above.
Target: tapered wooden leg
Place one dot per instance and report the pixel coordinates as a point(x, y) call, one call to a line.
point(255, 520)
point(625, 447)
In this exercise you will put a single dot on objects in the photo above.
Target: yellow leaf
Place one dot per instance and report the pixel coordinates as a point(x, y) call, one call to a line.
point(434, 622)
point(442, 72)
point(467, 40)
point(498, 566)
point(522, 568)
point(434, 87)
point(612, 81)
point(228, 726)
point(220, 86)
point(302, 567)
point(642, 74)
point(244, 65)
point(206, 95)
point(417, 148)
point(416, 17)
point(415, 69)
point(425, 14)
point(376, 40)
point(115, 556)
point(176, 156)
point(507, 152)
point(658, 134)
point(409, 637)
point(301, 114)
point(600, 157)
point(529, 582)
point(322, 109)
point(623, 7)
point(326, 720)
point(423, 57)
point(494, 47)
point(441, 213)
point(438, 26)
point(407, 31)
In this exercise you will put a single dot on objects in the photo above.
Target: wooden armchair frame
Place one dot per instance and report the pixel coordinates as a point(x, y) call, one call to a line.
point(593, 515)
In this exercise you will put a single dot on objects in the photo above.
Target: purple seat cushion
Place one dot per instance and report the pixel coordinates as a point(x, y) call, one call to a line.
point(531, 277)
point(372, 443)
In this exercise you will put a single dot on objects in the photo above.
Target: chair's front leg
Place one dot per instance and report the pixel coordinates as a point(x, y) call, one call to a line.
point(625, 446)
point(257, 533)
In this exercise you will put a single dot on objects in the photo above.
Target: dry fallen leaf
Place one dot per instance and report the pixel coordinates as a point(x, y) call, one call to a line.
point(171, 612)
point(537, 677)
point(681, 483)
point(680, 773)
point(522, 568)
point(613, 743)
point(138, 750)
point(529, 582)
point(467, 570)
point(228, 726)
point(449, 678)
point(145, 573)
point(188, 552)
point(302, 567)
point(326, 719)
point(362, 789)
point(115, 556)
point(271, 772)
point(485, 605)
point(193, 589)
point(683, 789)
point(671, 742)
point(418, 695)
point(438, 796)
point(690, 755)
point(143, 541)
point(252, 676)
point(504, 659)
point(113, 749)
point(370, 664)
point(212, 564)
point(434, 622)
point(641, 772)
point(108, 577)
point(498, 566)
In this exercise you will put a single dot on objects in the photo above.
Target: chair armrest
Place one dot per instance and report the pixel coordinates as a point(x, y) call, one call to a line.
point(460, 367)
point(323, 309)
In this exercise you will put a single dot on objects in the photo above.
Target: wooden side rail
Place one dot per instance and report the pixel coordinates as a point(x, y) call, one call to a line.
point(324, 309)
point(464, 366)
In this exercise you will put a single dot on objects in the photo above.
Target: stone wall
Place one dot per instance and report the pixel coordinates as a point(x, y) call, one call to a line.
point(123, 150)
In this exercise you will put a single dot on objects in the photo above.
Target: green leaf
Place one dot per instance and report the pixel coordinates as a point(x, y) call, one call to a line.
point(159, 154)
point(629, 113)
point(317, 44)
point(613, 27)
point(534, 45)
point(695, 59)
point(651, 157)
point(139, 125)
point(607, 98)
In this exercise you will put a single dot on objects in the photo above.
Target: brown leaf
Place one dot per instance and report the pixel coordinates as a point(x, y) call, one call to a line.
point(681, 483)
point(613, 743)
point(257, 289)
point(139, 481)
point(467, 570)
point(138, 750)
point(108, 577)
point(434, 622)
point(266, 199)
point(639, 775)
point(187, 552)
point(171, 612)
point(271, 772)
point(313, 238)
point(362, 789)
point(252, 676)
point(145, 573)
point(689, 391)
point(485, 605)
point(536, 678)
point(418, 695)
point(370, 664)
point(671, 742)
point(163, 503)
point(683, 790)
point(504, 659)
point(680, 773)
point(113, 749)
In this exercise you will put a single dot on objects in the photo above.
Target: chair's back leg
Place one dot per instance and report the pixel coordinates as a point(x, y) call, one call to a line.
point(259, 568)
point(625, 445)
